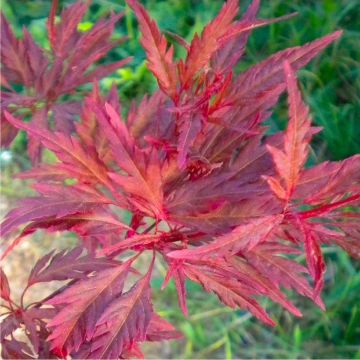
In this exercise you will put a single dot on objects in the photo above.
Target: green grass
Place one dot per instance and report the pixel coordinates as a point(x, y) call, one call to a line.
point(331, 86)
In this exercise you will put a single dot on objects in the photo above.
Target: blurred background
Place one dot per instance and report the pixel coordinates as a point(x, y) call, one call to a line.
point(331, 86)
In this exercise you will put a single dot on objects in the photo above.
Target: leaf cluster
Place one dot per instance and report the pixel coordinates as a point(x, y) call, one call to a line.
point(213, 197)
point(47, 76)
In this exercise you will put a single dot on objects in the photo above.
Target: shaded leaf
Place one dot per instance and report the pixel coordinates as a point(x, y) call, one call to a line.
point(87, 299)
point(4, 286)
point(229, 291)
point(159, 329)
point(66, 265)
point(124, 321)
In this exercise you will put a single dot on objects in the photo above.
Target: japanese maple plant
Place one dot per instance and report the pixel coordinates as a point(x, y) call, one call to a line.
point(212, 195)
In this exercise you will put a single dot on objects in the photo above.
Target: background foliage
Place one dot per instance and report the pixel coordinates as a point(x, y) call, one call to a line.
point(331, 86)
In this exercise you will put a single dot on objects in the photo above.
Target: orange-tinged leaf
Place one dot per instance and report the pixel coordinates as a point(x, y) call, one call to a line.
point(289, 162)
point(143, 168)
point(159, 55)
point(69, 151)
point(202, 48)
point(276, 187)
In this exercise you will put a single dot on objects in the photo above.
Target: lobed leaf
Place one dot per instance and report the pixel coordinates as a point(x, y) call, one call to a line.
point(54, 202)
point(124, 321)
point(289, 162)
point(243, 237)
point(202, 48)
point(230, 292)
point(159, 56)
point(66, 265)
point(88, 299)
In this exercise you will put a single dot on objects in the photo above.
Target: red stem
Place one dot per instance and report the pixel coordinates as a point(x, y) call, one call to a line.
point(327, 208)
